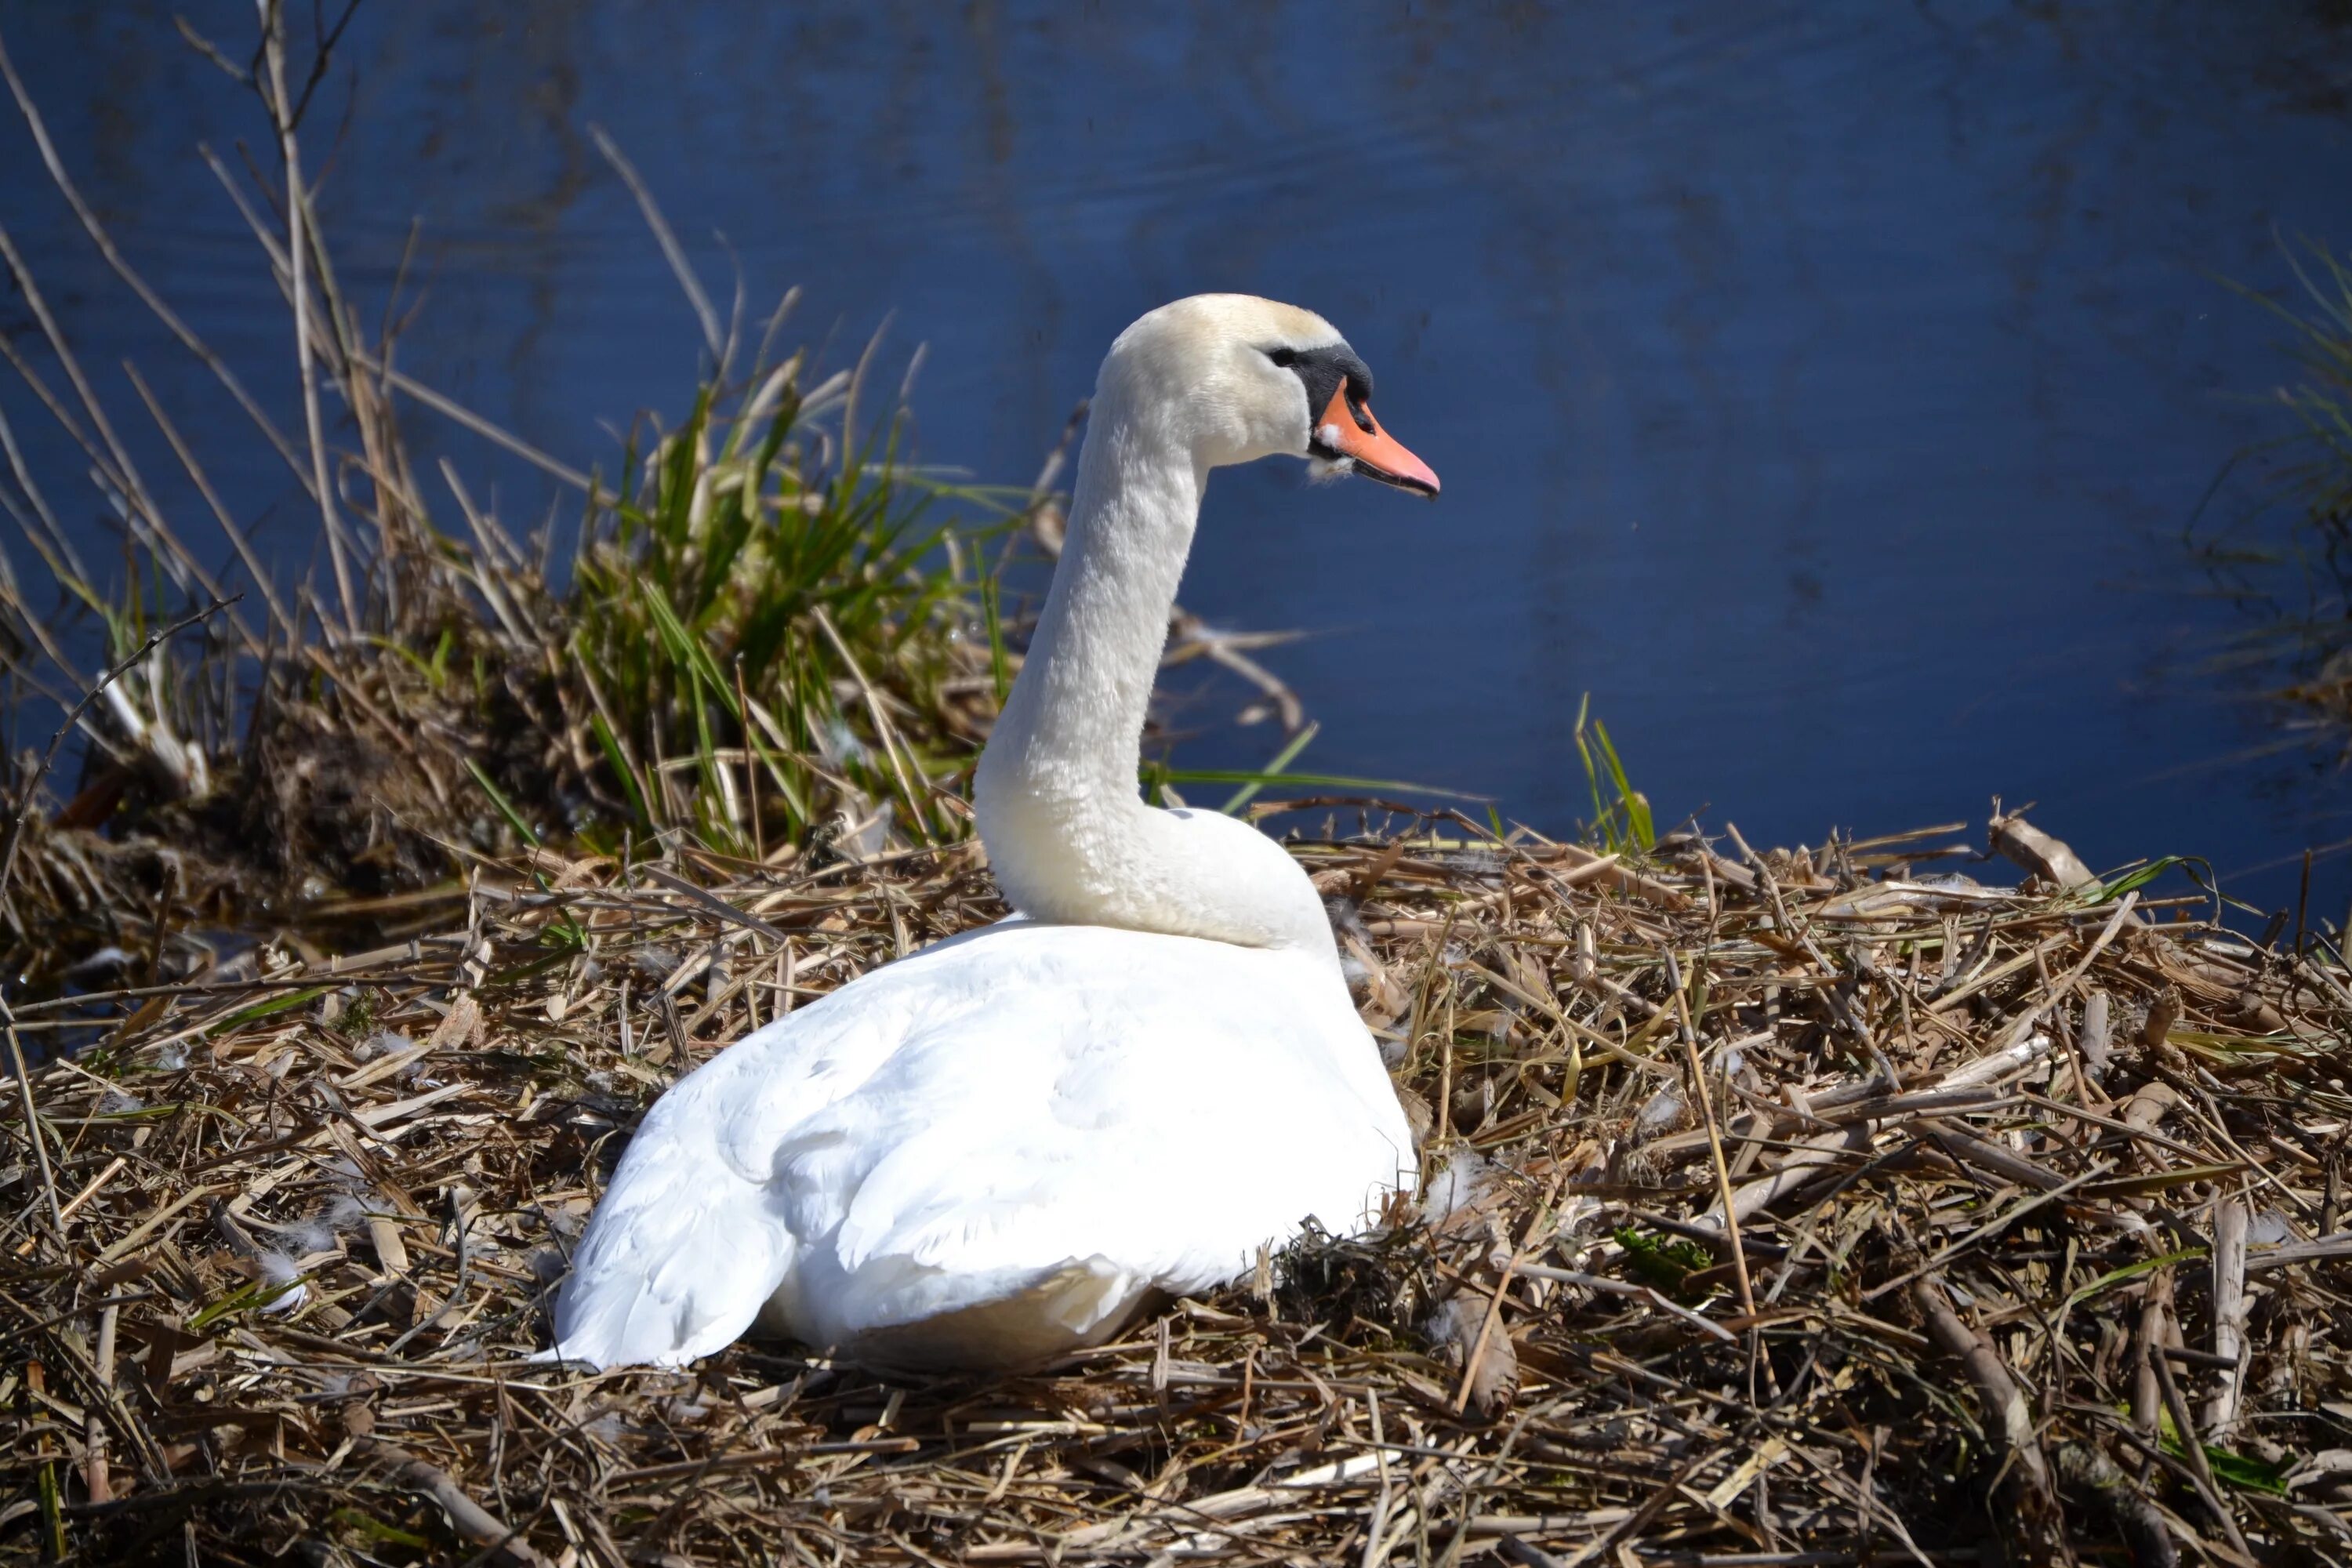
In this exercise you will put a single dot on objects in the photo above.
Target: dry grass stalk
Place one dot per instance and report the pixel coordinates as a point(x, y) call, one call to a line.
point(406, 1140)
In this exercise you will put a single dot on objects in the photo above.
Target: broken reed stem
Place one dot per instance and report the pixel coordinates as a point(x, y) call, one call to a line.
point(1376, 1527)
point(2010, 1417)
point(298, 258)
point(33, 1124)
point(1713, 1133)
point(97, 1479)
point(2229, 1311)
point(2200, 1469)
point(476, 1523)
point(459, 415)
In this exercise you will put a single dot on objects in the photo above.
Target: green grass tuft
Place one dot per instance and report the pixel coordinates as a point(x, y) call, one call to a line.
point(1621, 818)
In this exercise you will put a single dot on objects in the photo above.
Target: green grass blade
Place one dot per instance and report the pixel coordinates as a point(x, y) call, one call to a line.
point(620, 765)
point(1272, 770)
point(1311, 780)
point(1000, 668)
point(505, 807)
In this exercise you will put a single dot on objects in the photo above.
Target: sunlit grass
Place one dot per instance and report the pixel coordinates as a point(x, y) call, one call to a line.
point(1621, 814)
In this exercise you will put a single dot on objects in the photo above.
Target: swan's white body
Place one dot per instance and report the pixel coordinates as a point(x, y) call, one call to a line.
point(996, 1150)
point(1061, 1117)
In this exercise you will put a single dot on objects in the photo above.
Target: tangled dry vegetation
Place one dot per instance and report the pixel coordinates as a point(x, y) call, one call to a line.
point(2031, 1235)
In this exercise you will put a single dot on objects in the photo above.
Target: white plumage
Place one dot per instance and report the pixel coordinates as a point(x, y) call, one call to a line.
point(998, 1149)
point(1074, 1116)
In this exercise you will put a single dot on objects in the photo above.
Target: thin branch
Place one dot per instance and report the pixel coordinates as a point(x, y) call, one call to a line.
point(254, 564)
point(319, 62)
point(119, 470)
point(298, 265)
point(123, 270)
point(704, 311)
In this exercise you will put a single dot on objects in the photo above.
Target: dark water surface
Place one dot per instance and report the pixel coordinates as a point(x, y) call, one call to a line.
point(1823, 387)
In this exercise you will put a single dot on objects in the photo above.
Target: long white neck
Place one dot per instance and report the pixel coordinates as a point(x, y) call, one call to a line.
point(1056, 794)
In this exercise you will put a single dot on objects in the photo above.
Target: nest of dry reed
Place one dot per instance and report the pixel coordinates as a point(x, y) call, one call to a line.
point(2034, 1197)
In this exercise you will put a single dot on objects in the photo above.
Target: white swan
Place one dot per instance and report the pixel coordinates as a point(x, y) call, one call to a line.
point(996, 1150)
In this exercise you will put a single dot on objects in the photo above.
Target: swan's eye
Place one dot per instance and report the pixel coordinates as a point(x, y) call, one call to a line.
point(1286, 358)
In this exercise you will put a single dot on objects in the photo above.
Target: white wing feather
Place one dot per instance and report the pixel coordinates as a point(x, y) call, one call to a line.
point(1068, 1114)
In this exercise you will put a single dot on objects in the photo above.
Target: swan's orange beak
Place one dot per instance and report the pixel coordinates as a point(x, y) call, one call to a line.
point(1348, 430)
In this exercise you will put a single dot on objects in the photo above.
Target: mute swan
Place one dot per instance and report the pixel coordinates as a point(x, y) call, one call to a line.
point(995, 1150)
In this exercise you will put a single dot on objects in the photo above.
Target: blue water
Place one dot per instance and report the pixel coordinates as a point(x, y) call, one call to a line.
point(1824, 388)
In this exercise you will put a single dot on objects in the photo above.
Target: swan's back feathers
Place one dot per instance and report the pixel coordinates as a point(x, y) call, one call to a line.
point(1072, 1116)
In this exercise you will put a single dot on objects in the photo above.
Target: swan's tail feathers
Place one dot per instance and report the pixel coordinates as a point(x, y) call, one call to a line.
point(678, 1260)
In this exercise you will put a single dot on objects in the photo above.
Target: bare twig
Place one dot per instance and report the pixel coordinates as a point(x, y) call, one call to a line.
point(675, 254)
point(2193, 1447)
point(2009, 1418)
point(297, 252)
point(123, 270)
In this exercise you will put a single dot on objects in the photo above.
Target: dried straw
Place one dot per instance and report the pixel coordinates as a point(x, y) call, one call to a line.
point(1977, 1141)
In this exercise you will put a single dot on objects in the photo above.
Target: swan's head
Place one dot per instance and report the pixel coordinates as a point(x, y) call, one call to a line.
point(1242, 378)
